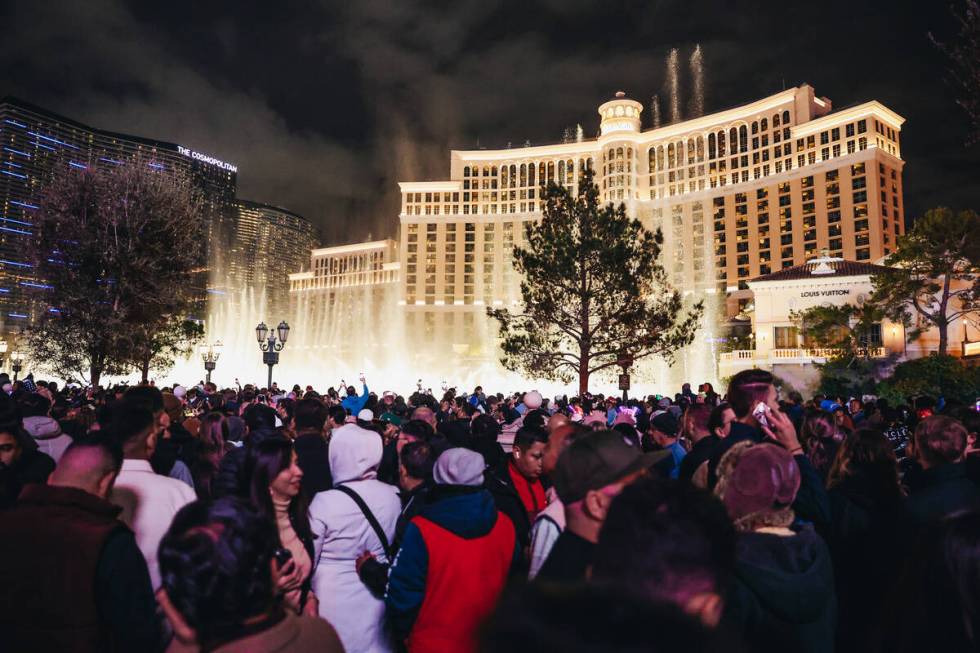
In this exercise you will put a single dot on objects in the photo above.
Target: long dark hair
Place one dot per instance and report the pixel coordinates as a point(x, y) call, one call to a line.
point(866, 457)
point(264, 461)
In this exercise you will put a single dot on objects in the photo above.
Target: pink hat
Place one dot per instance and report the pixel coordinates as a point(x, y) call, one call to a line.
point(761, 478)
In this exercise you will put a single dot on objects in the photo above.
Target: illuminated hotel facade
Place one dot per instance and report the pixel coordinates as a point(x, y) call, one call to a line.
point(249, 245)
point(259, 247)
point(739, 194)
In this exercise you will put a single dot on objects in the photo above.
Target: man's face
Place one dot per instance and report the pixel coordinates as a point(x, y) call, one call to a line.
point(530, 461)
point(659, 436)
point(727, 417)
point(556, 444)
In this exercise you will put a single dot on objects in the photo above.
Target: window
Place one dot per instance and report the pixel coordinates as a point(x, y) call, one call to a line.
point(849, 129)
point(786, 337)
point(862, 126)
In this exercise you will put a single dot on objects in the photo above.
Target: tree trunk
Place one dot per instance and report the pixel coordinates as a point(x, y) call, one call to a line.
point(943, 338)
point(95, 374)
point(583, 377)
point(145, 369)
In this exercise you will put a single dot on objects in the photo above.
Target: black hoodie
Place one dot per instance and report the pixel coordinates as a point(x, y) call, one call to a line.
point(783, 597)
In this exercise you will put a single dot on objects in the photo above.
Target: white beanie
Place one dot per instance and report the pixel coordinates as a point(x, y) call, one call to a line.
point(533, 400)
point(459, 466)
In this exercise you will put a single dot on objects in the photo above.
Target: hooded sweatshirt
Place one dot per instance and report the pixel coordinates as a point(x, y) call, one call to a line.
point(47, 433)
point(452, 566)
point(341, 534)
point(783, 597)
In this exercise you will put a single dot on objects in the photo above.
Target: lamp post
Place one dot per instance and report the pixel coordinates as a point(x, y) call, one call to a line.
point(269, 346)
point(3, 352)
point(16, 363)
point(210, 354)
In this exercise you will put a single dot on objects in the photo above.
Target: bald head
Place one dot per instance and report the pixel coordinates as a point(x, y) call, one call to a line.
point(425, 414)
point(556, 420)
point(89, 464)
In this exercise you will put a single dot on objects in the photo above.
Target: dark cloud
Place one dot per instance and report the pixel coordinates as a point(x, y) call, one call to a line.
point(326, 105)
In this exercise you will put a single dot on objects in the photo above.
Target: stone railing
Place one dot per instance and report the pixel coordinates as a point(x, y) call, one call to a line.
point(800, 354)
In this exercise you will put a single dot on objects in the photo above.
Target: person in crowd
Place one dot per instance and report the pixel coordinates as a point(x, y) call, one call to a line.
point(696, 426)
point(221, 581)
point(550, 522)
point(936, 605)
point(939, 445)
point(21, 462)
point(343, 533)
point(517, 488)
point(783, 597)
point(427, 415)
point(354, 403)
point(671, 542)
point(212, 434)
point(821, 437)
point(148, 500)
point(866, 532)
point(484, 431)
point(754, 400)
point(664, 432)
point(37, 421)
point(415, 481)
point(593, 619)
point(588, 476)
point(260, 424)
point(310, 417)
point(72, 576)
point(275, 484)
point(453, 562)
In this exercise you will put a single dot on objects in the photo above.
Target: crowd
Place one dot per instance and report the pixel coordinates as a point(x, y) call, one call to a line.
point(267, 519)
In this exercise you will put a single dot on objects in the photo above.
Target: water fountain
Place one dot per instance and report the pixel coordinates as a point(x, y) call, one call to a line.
point(697, 82)
point(673, 85)
point(655, 111)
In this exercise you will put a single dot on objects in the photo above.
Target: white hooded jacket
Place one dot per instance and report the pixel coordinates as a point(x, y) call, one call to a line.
point(47, 433)
point(342, 534)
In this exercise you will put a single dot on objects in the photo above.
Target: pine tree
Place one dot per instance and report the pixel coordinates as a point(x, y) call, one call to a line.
point(592, 290)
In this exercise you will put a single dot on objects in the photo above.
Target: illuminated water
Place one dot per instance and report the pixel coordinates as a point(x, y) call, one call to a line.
point(673, 85)
point(697, 82)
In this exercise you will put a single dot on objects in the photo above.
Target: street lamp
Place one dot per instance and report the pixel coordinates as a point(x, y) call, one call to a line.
point(3, 352)
point(270, 348)
point(210, 354)
point(17, 363)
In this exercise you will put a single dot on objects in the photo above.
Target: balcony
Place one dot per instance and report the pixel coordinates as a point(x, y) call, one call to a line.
point(734, 361)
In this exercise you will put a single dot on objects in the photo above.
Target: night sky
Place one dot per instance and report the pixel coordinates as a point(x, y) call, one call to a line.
point(325, 106)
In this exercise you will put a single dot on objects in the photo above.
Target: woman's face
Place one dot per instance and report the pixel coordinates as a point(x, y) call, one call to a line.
point(9, 449)
point(287, 482)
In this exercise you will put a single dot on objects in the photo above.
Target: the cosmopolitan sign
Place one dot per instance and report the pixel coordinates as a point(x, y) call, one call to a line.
point(207, 159)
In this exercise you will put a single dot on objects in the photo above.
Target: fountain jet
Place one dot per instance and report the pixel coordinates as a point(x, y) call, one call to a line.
point(697, 77)
point(673, 85)
point(655, 110)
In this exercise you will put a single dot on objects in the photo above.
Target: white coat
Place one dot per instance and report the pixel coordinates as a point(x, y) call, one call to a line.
point(342, 534)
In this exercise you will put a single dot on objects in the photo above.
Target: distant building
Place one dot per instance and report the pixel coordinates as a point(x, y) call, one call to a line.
point(346, 303)
point(35, 144)
point(738, 194)
point(782, 345)
point(259, 247)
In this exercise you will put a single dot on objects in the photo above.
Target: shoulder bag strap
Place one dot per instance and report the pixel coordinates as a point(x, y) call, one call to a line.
point(369, 516)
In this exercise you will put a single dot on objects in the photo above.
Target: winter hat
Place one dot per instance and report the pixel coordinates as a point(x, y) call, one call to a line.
point(366, 415)
point(758, 483)
point(665, 423)
point(459, 466)
point(533, 400)
point(180, 391)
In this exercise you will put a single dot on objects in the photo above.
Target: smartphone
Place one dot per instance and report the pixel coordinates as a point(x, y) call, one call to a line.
point(759, 413)
point(282, 556)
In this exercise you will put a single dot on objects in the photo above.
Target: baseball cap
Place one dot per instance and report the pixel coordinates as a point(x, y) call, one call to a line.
point(366, 415)
point(391, 418)
point(665, 423)
point(459, 466)
point(595, 461)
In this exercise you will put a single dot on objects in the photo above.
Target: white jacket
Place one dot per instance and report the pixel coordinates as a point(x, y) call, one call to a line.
point(342, 534)
point(149, 503)
point(47, 434)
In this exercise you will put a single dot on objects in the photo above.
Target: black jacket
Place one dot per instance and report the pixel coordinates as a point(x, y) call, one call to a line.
point(497, 480)
point(783, 597)
point(941, 491)
point(312, 456)
point(230, 479)
point(864, 537)
point(33, 466)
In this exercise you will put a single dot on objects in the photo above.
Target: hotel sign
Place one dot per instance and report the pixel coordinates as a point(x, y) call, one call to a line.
point(206, 159)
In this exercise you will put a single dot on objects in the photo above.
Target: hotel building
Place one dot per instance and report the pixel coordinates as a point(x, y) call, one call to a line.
point(36, 144)
point(347, 301)
point(259, 246)
point(739, 193)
